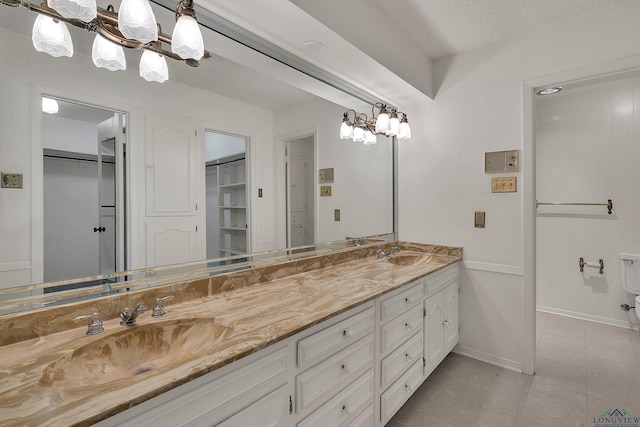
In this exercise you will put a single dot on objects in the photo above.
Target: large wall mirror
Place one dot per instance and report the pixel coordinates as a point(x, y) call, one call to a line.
point(147, 155)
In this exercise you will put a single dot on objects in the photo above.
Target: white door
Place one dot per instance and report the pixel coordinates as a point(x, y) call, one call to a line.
point(433, 340)
point(299, 192)
point(171, 184)
point(451, 316)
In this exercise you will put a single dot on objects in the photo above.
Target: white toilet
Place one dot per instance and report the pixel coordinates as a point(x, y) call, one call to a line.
point(631, 276)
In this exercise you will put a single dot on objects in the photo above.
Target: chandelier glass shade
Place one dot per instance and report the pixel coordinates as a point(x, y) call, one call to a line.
point(136, 21)
point(187, 38)
point(107, 54)
point(389, 122)
point(84, 10)
point(51, 37)
point(153, 67)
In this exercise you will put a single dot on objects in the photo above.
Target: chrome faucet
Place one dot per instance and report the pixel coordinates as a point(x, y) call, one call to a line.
point(394, 250)
point(158, 309)
point(95, 325)
point(129, 317)
point(381, 254)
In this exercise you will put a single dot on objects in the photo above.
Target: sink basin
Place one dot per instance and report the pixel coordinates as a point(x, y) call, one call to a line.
point(405, 259)
point(134, 351)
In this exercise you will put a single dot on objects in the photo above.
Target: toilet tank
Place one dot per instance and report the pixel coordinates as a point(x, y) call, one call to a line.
point(630, 264)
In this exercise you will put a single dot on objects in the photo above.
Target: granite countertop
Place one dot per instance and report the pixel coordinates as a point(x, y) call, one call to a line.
point(58, 379)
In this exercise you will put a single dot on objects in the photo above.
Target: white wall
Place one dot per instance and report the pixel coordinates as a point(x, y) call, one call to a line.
point(69, 135)
point(479, 107)
point(587, 150)
point(366, 211)
point(76, 78)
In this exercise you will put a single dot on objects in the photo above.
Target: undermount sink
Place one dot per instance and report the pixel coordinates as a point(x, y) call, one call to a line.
point(405, 259)
point(133, 351)
point(413, 258)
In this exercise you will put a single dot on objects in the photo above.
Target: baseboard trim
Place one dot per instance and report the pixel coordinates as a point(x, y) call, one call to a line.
point(489, 358)
point(588, 317)
point(494, 268)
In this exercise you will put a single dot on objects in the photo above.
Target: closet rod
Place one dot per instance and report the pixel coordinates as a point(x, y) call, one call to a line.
point(609, 204)
point(224, 163)
point(51, 156)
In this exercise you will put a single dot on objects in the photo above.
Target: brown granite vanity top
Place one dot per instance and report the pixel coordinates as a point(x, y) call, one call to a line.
point(67, 378)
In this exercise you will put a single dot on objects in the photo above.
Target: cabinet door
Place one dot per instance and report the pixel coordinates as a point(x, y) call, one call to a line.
point(270, 411)
point(450, 317)
point(433, 331)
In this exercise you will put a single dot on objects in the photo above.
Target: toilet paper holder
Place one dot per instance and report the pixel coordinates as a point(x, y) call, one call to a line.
point(599, 265)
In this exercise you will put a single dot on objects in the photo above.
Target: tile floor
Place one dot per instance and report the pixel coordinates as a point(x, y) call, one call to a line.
point(582, 370)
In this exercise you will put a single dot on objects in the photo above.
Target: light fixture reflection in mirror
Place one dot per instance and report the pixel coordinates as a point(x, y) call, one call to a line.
point(360, 128)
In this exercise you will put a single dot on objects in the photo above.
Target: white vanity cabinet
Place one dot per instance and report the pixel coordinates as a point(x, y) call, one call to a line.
point(440, 316)
point(401, 323)
point(241, 390)
point(334, 384)
point(355, 369)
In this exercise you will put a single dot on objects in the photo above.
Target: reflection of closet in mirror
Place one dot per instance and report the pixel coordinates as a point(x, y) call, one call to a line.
point(226, 187)
point(300, 194)
point(83, 184)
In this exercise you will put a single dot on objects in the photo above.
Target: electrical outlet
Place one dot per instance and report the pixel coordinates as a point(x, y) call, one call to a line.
point(504, 185)
point(325, 190)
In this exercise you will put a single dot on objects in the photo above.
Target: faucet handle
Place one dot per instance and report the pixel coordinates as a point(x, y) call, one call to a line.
point(158, 310)
point(95, 325)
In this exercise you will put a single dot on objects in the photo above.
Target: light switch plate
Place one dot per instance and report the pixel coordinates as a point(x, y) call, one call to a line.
point(10, 180)
point(504, 185)
point(325, 190)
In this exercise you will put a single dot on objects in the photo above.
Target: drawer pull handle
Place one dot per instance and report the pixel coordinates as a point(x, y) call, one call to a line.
point(346, 369)
point(346, 410)
point(347, 333)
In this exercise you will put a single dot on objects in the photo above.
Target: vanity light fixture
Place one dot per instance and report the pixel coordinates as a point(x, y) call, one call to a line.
point(389, 122)
point(134, 27)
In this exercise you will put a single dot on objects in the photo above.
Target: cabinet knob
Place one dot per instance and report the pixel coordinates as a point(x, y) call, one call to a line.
point(445, 323)
point(347, 333)
point(408, 388)
point(408, 325)
point(346, 410)
point(345, 368)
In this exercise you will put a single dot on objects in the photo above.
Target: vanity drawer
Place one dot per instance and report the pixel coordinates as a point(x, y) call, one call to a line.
point(400, 329)
point(341, 410)
point(326, 342)
point(392, 399)
point(440, 279)
point(328, 377)
point(365, 419)
point(400, 360)
point(394, 305)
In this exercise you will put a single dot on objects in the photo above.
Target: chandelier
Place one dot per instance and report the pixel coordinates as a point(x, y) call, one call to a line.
point(389, 122)
point(134, 26)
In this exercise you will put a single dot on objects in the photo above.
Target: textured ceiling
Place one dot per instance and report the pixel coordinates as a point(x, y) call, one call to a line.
point(443, 27)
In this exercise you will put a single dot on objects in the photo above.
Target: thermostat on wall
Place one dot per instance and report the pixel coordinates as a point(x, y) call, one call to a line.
point(325, 175)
